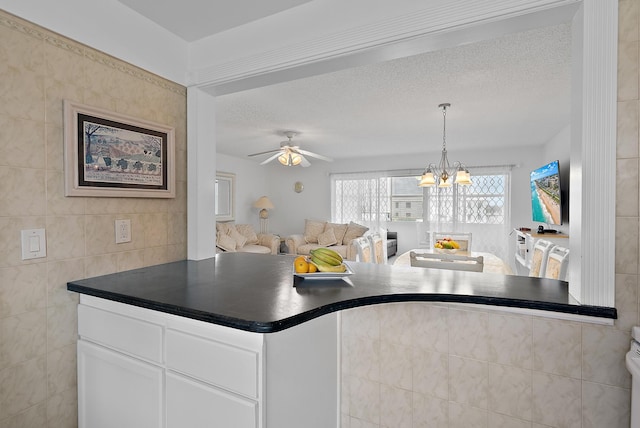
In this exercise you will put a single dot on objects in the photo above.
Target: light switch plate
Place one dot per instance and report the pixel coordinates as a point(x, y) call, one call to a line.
point(123, 231)
point(34, 244)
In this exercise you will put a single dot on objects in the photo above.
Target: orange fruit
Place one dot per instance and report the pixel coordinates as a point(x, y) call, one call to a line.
point(301, 265)
point(312, 268)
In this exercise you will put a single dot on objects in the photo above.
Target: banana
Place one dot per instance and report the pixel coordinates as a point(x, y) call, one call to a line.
point(331, 252)
point(330, 257)
point(327, 259)
point(323, 267)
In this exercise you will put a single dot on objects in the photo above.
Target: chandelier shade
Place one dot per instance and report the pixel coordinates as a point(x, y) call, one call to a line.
point(443, 173)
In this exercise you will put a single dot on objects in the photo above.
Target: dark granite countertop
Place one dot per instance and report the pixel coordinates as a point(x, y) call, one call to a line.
point(259, 293)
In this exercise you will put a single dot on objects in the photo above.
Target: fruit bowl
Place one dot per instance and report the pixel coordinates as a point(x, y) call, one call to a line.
point(446, 245)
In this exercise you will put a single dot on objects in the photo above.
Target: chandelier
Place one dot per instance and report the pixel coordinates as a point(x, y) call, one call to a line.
point(441, 174)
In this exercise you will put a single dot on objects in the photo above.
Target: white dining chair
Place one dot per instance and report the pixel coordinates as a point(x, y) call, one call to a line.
point(377, 247)
point(447, 261)
point(462, 238)
point(424, 235)
point(363, 248)
point(557, 263)
point(539, 257)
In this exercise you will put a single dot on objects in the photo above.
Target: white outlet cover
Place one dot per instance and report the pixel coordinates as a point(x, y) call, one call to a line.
point(34, 244)
point(123, 231)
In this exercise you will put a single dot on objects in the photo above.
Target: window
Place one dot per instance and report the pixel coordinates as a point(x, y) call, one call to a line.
point(482, 208)
point(483, 202)
point(382, 197)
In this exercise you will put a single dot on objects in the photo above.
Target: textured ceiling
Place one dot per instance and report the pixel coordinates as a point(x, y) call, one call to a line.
point(195, 19)
point(506, 92)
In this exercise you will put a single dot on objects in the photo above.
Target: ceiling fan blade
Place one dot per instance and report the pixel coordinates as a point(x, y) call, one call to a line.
point(265, 153)
point(304, 162)
point(315, 155)
point(270, 158)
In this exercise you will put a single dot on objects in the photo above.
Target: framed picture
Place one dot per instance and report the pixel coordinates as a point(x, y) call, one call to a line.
point(112, 155)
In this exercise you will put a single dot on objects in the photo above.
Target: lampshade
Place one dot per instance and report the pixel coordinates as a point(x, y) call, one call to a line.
point(427, 179)
point(463, 177)
point(263, 203)
point(445, 182)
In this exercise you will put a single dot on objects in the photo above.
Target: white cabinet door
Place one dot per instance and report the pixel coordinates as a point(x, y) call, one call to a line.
point(194, 404)
point(117, 391)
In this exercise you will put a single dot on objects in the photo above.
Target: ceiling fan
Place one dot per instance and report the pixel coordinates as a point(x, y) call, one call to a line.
point(290, 154)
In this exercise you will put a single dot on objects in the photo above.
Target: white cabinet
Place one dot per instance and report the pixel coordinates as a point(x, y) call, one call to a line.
point(116, 390)
point(142, 368)
point(525, 242)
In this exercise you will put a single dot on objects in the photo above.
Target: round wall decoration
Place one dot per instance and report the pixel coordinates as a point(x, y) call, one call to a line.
point(298, 186)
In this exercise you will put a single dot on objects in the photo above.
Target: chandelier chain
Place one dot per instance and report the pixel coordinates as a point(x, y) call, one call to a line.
point(444, 127)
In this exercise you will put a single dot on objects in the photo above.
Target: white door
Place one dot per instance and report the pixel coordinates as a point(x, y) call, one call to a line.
point(117, 391)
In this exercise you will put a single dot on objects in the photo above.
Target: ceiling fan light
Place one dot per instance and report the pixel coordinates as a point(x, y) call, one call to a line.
point(295, 159)
point(284, 159)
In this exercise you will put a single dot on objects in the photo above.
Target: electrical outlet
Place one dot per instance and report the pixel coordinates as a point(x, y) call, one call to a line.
point(123, 231)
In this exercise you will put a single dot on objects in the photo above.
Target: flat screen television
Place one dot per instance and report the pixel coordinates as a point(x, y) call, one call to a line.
point(546, 202)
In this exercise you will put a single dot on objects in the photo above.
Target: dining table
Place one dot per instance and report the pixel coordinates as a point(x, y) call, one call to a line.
point(492, 263)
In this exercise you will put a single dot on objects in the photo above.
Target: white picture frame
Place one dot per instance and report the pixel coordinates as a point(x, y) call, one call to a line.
point(107, 154)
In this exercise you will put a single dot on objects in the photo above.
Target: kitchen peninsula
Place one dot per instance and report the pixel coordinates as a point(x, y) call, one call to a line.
point(237, 340)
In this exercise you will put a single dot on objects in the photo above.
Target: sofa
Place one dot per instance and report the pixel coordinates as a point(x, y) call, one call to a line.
point(392, 243)
point(242, 238)
point(322, 234)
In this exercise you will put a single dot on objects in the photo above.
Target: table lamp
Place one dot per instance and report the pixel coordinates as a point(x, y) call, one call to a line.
point(265, 205)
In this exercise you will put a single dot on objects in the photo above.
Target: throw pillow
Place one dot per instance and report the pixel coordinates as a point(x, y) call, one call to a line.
point(327, 238)
point(237, 236)
point(312, 228)
point(225, 242)
point(222, 227)
point(354, 230)
point(247, 231)
point(338, 230)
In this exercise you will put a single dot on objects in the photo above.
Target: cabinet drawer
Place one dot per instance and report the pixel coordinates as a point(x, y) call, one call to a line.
point(192, 404)
point(130, 335)
point(228, 367)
